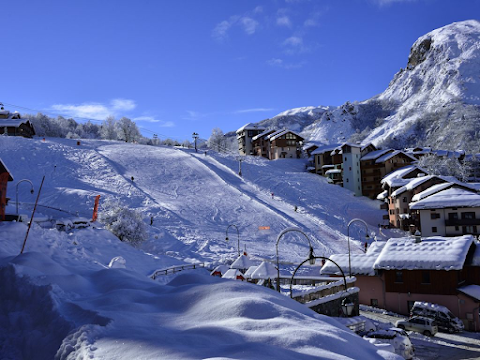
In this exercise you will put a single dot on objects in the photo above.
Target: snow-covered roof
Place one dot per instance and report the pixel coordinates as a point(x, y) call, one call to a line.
point(452, 197)
point(265, 270)
point(412, 184)
point(243, 262)
point(471, 290)
point(3, 168)
point(400, 173)
point(276, 136)
point(249, 272)
point(389, 155)
point(325, 148)
point(431, 190)
point(12, 122)
point(375, 154)
point(333, 171)
point(361, 264)
point(432, 253)
point(232, 274)
point(263, 133)
point(222, 269)
point(383, 195)
point(250, 126)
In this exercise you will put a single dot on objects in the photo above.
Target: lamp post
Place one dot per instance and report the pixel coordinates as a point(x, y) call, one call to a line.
point(348, 236)
point(16, 191)
point(311, 257)
point(195, 137)
point(238, 236)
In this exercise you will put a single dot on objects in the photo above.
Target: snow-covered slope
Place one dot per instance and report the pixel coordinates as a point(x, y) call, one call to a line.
point(434, 101)
point(192, 197)
point(84, 294)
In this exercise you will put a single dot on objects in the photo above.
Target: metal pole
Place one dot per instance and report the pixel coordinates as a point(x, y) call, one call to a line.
point(33, 213)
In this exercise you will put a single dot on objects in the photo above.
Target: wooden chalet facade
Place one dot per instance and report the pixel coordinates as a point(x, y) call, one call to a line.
point(280, 144)
point(376, 164)
point(12, 124)
point(5, 177)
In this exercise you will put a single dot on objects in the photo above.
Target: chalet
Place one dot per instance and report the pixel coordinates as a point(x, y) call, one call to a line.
point(376, 164)
point(394, 274)
point(12, 124)
point(399, 200)
point(244, 138)
point(447, 210)
point(261, 144)
point(285, 144)
point(325, 158)
point(5, 177)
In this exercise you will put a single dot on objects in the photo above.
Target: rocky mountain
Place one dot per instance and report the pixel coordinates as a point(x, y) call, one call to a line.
point(434, 100)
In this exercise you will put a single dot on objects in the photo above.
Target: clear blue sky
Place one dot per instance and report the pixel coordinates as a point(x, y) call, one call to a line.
point(183, 66)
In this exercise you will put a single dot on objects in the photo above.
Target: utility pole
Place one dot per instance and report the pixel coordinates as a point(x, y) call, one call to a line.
point(195, 137)
point(240, 166)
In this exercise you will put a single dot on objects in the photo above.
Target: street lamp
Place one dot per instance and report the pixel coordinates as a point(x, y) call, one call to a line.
point(195, 137)
point(16, 191)
point(347, 306)
point(311, 256)
point(348, 236)
point(238, 236)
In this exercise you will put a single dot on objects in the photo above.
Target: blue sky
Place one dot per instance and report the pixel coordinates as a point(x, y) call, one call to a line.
point(184, 66)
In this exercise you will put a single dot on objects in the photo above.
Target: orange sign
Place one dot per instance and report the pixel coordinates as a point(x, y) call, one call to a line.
point(264, 228)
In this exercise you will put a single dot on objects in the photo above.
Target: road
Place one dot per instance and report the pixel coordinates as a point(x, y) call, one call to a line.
point(443, 346)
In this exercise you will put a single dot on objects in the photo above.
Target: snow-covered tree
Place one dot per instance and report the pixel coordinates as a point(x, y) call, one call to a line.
point(216, 140)
point(108, 131)
point(124, 223)
point(127, 130)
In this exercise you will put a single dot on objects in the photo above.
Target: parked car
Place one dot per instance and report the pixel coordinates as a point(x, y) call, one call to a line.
point(396, 337)
point(420, 324)
point(444, 318)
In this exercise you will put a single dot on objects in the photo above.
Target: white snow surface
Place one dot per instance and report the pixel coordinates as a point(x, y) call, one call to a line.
point(62, 300)
point(432, 253)
point(453, 197)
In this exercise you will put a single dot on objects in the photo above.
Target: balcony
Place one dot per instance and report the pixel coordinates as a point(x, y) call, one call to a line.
point(462, 222)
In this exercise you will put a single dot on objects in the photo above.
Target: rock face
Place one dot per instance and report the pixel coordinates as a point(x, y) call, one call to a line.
point(434, 101)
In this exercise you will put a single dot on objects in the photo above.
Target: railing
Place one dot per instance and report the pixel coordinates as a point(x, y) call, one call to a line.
point(460, 222)
point(175, 269)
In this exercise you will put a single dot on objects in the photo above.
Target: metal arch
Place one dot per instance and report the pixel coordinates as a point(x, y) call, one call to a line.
point(348, 239)
point(238, 236)
point(317, 257)
point(276, 249)
point(16, 191)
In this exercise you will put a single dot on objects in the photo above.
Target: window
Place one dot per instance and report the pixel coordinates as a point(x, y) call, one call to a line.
point(374, 302)
point(425, 277)
point(452, 216)
point(434, 216)
point(399, 276)
point(404, 199)
point(468, 215)
point(434, 229)
point(469, 229)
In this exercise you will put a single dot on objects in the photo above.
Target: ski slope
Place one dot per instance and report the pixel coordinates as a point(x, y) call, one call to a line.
point(192, 197)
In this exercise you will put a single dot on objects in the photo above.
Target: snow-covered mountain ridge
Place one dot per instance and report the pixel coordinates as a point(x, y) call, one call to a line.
point(434, 100)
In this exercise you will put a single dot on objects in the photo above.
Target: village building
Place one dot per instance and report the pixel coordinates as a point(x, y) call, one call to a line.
point(447, 210)
point(244, 138)
point(376, 164)
point(5, 177)
point(12, 124)
point(439, 270)
point(261, 145)
point(325, 158)
point(278, 144)
point(352, 153)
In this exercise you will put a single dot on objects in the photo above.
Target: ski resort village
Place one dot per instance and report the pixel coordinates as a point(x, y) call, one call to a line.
point(323, 232)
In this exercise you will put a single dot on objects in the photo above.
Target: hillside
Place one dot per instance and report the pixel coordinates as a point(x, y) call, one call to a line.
point(434, 100)
point(84, 294)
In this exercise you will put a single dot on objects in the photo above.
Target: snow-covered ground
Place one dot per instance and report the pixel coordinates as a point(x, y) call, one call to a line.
point(64, 295)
